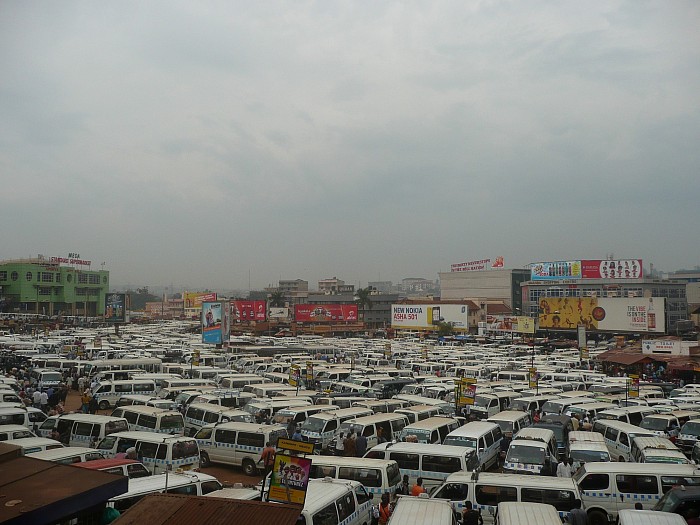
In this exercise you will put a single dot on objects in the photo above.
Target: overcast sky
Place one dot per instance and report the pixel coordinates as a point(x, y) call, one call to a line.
point(199, 143)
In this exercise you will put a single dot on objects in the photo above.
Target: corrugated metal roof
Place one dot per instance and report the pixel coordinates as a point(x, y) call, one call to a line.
point(45, 492)
point(174, 509)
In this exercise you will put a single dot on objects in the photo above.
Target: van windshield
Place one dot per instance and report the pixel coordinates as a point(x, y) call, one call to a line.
point(460, 441)
point(520, 404)
point(173, 422)
point(691, 428)
point(525, 454)
point(654, 423)
point(587, 456)
point(314, 424)
point(51, 376)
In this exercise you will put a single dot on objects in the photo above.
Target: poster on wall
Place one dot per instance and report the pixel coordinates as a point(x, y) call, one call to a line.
point(625, 314)
point(426, 316)
point(587, 269)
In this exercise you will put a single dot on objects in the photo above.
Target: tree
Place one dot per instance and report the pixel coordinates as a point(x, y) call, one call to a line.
point(444, 329)
point(362, 299)
point(277, 299)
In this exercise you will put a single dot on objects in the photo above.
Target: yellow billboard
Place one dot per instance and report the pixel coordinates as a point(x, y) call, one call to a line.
point(526, 325)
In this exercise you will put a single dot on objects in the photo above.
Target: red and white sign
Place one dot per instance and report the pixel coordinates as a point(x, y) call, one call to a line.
point(612, 269)
point(472, 266)
point(325, 313)
point(249, 310)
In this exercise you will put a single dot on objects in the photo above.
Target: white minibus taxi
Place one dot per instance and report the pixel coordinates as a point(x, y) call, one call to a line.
point(150, 419)
point(68, 455)
point(158, 452)
point(34, 444)
point(607, 488)
point(530, 449)
point(336, 501)
point(378, 476)
point(199, 415)
point(238, 444)
point(108, 393)
point(433, 463)
point(82, 430)
point(321, 428)
point(368, 426)
point(618, 437)
point(483, 436)
point(433, 430)
point(487, 489)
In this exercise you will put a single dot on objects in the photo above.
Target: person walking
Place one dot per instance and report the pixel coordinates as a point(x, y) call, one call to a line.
point(85, 400)
point(349, 445)
point(340, 445)
point(360, 446)
point(405, 487)
point(578, 516)
point(385, 510)
point(565, 468)
point(268, 457)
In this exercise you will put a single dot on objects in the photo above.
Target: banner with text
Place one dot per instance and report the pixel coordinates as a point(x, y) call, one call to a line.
point(325, 313)
point(587, 269)
point(427, 316)
point(475, 266)
point(627, 314)
point(249, 310)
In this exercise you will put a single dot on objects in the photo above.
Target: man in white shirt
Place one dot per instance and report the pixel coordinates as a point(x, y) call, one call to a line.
point(565, 468)
point(36, 398)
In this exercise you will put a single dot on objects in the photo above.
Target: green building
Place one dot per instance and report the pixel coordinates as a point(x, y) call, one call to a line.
point(44, 286)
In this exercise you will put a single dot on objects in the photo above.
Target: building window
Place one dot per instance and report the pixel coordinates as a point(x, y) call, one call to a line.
point(3, 276)
point(82, 278)
point(14, 276)
point(94, 279)
point(58, 277)
point(46, 277)
point(29, 276)
point(44, 290)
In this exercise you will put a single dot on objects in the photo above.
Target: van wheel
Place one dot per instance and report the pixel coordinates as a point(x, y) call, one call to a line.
point(104, 405)
point(204, 460)
point(249, 467)
point(597, 517)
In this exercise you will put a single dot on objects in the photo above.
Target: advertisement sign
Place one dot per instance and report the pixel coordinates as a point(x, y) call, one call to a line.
point(309, 373)
point(634, 385)
point(248, 310)
point(212, 322)
point(467, 391)
point(587, 269)
point(584, 354)
point(278, 313)
point(325, 313)
point(195, 357)
point(115, 308)
point(483, 264)
point(294, 375)
point(661, 346)
point(195, 299)
point(290, 477)
point(581, 335)
point(526, 325)
point(627, 314)
point(425, 316)
point(533, 377)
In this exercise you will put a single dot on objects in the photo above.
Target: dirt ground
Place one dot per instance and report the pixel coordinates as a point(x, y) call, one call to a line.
point(227, 475)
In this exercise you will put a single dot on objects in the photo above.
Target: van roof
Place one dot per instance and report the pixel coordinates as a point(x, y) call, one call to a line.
point(341, 461)
point(431, 423)
point(375, 418)
point(517, 512)
point(99, 464)
point(57, 453)
point(149, 436)
point(158, 482)
point(495, 478)
point(474, 428)
point(247, 427)
point(415, 448)
point(508, 415)
point(146, 409)
point(534, 434)
point(320, 492)
point(634, 468)
point(92, 418)
point(419, 511)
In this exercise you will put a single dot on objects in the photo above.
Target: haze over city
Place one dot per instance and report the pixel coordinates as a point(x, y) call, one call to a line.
point(233, 144)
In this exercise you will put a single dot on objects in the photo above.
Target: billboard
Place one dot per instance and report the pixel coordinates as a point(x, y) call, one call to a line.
point(249, 310)
point(215, 322)
point(587, 269)
point(325, 313)
point(195, 299)
point(115, 308)
point(278, 313)
point(526, 325)
point(473, 266)
point(290, 478)
point(425, 316)
point(626, 314)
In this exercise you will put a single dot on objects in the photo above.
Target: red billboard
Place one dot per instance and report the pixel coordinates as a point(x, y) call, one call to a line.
point(249, 310)
point(325, 313)
point(612, 269)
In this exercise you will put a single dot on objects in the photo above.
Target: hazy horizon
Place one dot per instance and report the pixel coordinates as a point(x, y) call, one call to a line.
point(216, 144)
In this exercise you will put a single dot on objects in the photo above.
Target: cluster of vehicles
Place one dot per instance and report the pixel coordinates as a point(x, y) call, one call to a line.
point(178, 417)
